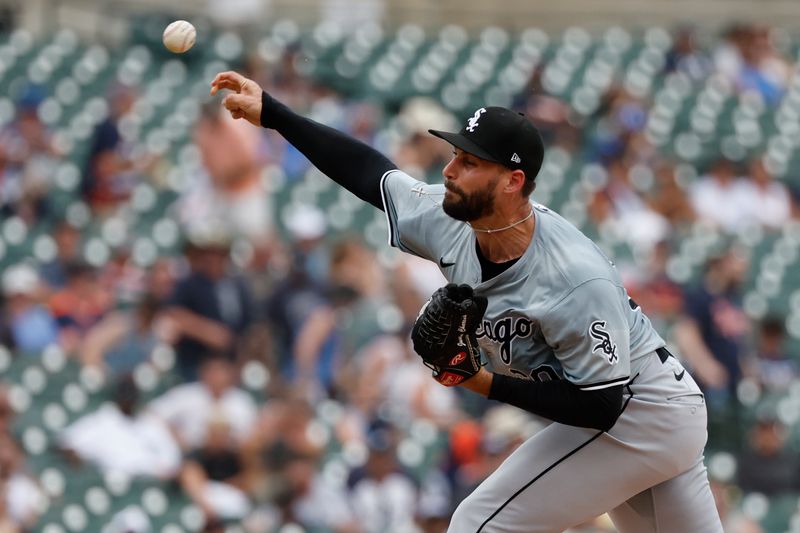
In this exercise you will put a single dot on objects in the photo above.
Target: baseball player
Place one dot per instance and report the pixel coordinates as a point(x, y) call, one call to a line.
point(560, 335)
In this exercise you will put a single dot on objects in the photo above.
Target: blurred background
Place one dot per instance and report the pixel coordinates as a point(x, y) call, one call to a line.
point(202, 333)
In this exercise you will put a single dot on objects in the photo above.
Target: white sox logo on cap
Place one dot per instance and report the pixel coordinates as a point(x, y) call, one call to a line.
point(473, 122)
point(502, 136)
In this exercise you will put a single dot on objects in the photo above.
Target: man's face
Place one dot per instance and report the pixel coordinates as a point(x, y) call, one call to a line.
point(217, 375)
point(470, 184)
point(736, 267)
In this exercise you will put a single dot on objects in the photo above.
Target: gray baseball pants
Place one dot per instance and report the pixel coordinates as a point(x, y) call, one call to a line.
point(647, 472)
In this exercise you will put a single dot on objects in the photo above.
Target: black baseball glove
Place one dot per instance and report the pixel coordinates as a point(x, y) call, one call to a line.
point(444, 333)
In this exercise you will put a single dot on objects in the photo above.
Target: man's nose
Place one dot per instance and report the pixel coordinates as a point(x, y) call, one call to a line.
point(449, 170)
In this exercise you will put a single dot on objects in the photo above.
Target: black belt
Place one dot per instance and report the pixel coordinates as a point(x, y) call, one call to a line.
point(663, 354)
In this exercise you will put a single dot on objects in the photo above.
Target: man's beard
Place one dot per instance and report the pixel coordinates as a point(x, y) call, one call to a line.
point(468, 207)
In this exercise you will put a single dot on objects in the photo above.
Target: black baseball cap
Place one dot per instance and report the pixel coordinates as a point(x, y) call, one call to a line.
point(502, 136)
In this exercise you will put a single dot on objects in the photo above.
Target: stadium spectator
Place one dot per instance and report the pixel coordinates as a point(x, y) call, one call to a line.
point(310, 252)
point(230, 194)
point(550, 114)
point(67, 240)
point(27, 325)
point(210, 306)
point(734, 520)
point(121, 276)
point(189, 408)
point(764, 71)
point(687, 57)
point(624, 115)
point(749, 61)
point(390, 381)
point(319, 351)
point(213, 475)
point(413, 280)
point(112, 170)
point(281, 457)
point(713, 330)
point(80, 304)
point(123, 339)
point(309, 500)
point(623, 207)
point(160, 282)
point(768, 202)
point(728, 55)
point(417, 151)
point(669, 198)
point(281, 432)
point(434, 503)
point(652, 288)
point(27, 138)
point(112, 183)
point(31, 158)
point(716, 198)
point(107, 136)
point(292, 300)
point(767, 465)
point(383, 497)
point(9, 182)
point(770, 364)
point(477, 454)
point(21, 494)
point(6, 410)
point(20, 194)
point(334, 331)
point(116, 438)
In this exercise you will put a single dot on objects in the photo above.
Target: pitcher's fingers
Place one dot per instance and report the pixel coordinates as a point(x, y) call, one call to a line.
point(234, 102)
point(229, 75)
point(225, 84)
point(228, 80)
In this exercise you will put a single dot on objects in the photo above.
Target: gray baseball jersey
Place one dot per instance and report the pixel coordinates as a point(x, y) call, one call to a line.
point(561, 312)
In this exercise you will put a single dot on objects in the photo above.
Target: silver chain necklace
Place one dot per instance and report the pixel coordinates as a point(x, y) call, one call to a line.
point(517, 223)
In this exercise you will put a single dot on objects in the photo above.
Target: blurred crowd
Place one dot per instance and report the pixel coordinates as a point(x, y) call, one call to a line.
point(331, 442)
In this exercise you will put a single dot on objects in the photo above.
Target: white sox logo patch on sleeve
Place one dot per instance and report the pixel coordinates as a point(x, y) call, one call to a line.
point(604, 343)
point(473, 121)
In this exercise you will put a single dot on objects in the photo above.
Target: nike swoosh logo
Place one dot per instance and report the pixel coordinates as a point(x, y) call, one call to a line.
point(679, 377)
point(443, 264)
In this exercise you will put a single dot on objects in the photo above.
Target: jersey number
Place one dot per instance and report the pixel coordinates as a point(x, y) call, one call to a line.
point(540, 374)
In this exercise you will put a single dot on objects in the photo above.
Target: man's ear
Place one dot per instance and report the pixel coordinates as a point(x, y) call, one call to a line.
point(514, 182)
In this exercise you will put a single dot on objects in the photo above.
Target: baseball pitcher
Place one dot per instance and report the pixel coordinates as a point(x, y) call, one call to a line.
point(560, 336)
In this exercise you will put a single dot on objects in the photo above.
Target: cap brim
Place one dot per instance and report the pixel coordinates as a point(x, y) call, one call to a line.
point(460, 141)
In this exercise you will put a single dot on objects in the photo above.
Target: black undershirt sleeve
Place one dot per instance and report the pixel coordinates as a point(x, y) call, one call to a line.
point(560, 401)
point(352, 164)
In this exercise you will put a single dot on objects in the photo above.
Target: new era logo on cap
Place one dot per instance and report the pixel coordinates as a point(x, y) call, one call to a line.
point(500, 135)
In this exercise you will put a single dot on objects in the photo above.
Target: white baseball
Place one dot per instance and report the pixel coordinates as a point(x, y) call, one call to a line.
point(179, 36)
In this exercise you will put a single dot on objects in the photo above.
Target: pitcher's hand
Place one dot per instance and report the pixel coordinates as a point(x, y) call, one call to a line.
point(246, 102)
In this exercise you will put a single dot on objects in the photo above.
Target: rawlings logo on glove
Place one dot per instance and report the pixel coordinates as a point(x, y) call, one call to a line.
point(444, 333)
